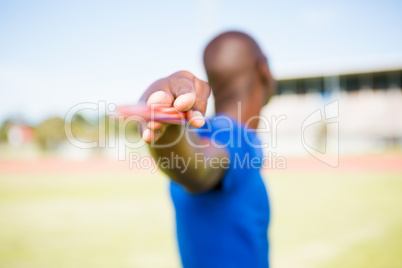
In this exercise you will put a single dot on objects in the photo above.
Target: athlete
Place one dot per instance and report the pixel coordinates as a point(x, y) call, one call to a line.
point(220, 200)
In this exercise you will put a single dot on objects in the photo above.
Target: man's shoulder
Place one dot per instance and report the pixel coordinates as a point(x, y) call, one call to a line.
point(224, 128)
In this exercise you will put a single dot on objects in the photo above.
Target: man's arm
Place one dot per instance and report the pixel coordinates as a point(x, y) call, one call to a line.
point(187, 93)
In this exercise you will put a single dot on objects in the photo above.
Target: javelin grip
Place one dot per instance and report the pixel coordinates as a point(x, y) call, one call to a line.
point(168, 115)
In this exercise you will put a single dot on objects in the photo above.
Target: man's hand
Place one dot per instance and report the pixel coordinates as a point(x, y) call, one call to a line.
point(181, 90)
point(189, 94)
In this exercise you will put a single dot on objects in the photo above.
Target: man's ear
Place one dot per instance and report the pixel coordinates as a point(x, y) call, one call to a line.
point(267, 79)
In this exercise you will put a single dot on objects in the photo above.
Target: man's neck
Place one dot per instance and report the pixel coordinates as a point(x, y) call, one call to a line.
point(240, 111)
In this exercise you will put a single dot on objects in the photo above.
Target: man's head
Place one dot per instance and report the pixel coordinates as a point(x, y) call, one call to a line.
point(238, 70)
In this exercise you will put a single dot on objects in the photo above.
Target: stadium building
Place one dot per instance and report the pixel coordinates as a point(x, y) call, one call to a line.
point(366, 94)
point(374, 73)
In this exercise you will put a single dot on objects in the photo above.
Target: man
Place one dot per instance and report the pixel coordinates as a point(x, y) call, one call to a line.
point(221, 204)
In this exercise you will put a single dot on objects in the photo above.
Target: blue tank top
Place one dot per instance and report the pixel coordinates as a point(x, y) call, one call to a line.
point(226, 226)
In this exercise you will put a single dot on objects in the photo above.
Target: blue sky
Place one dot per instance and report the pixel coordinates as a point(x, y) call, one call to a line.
point(55, 54)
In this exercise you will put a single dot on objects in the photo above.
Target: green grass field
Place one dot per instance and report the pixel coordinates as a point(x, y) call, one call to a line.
point(126, 220)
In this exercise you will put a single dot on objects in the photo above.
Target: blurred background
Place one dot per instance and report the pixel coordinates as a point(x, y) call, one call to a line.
point(335, 181)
